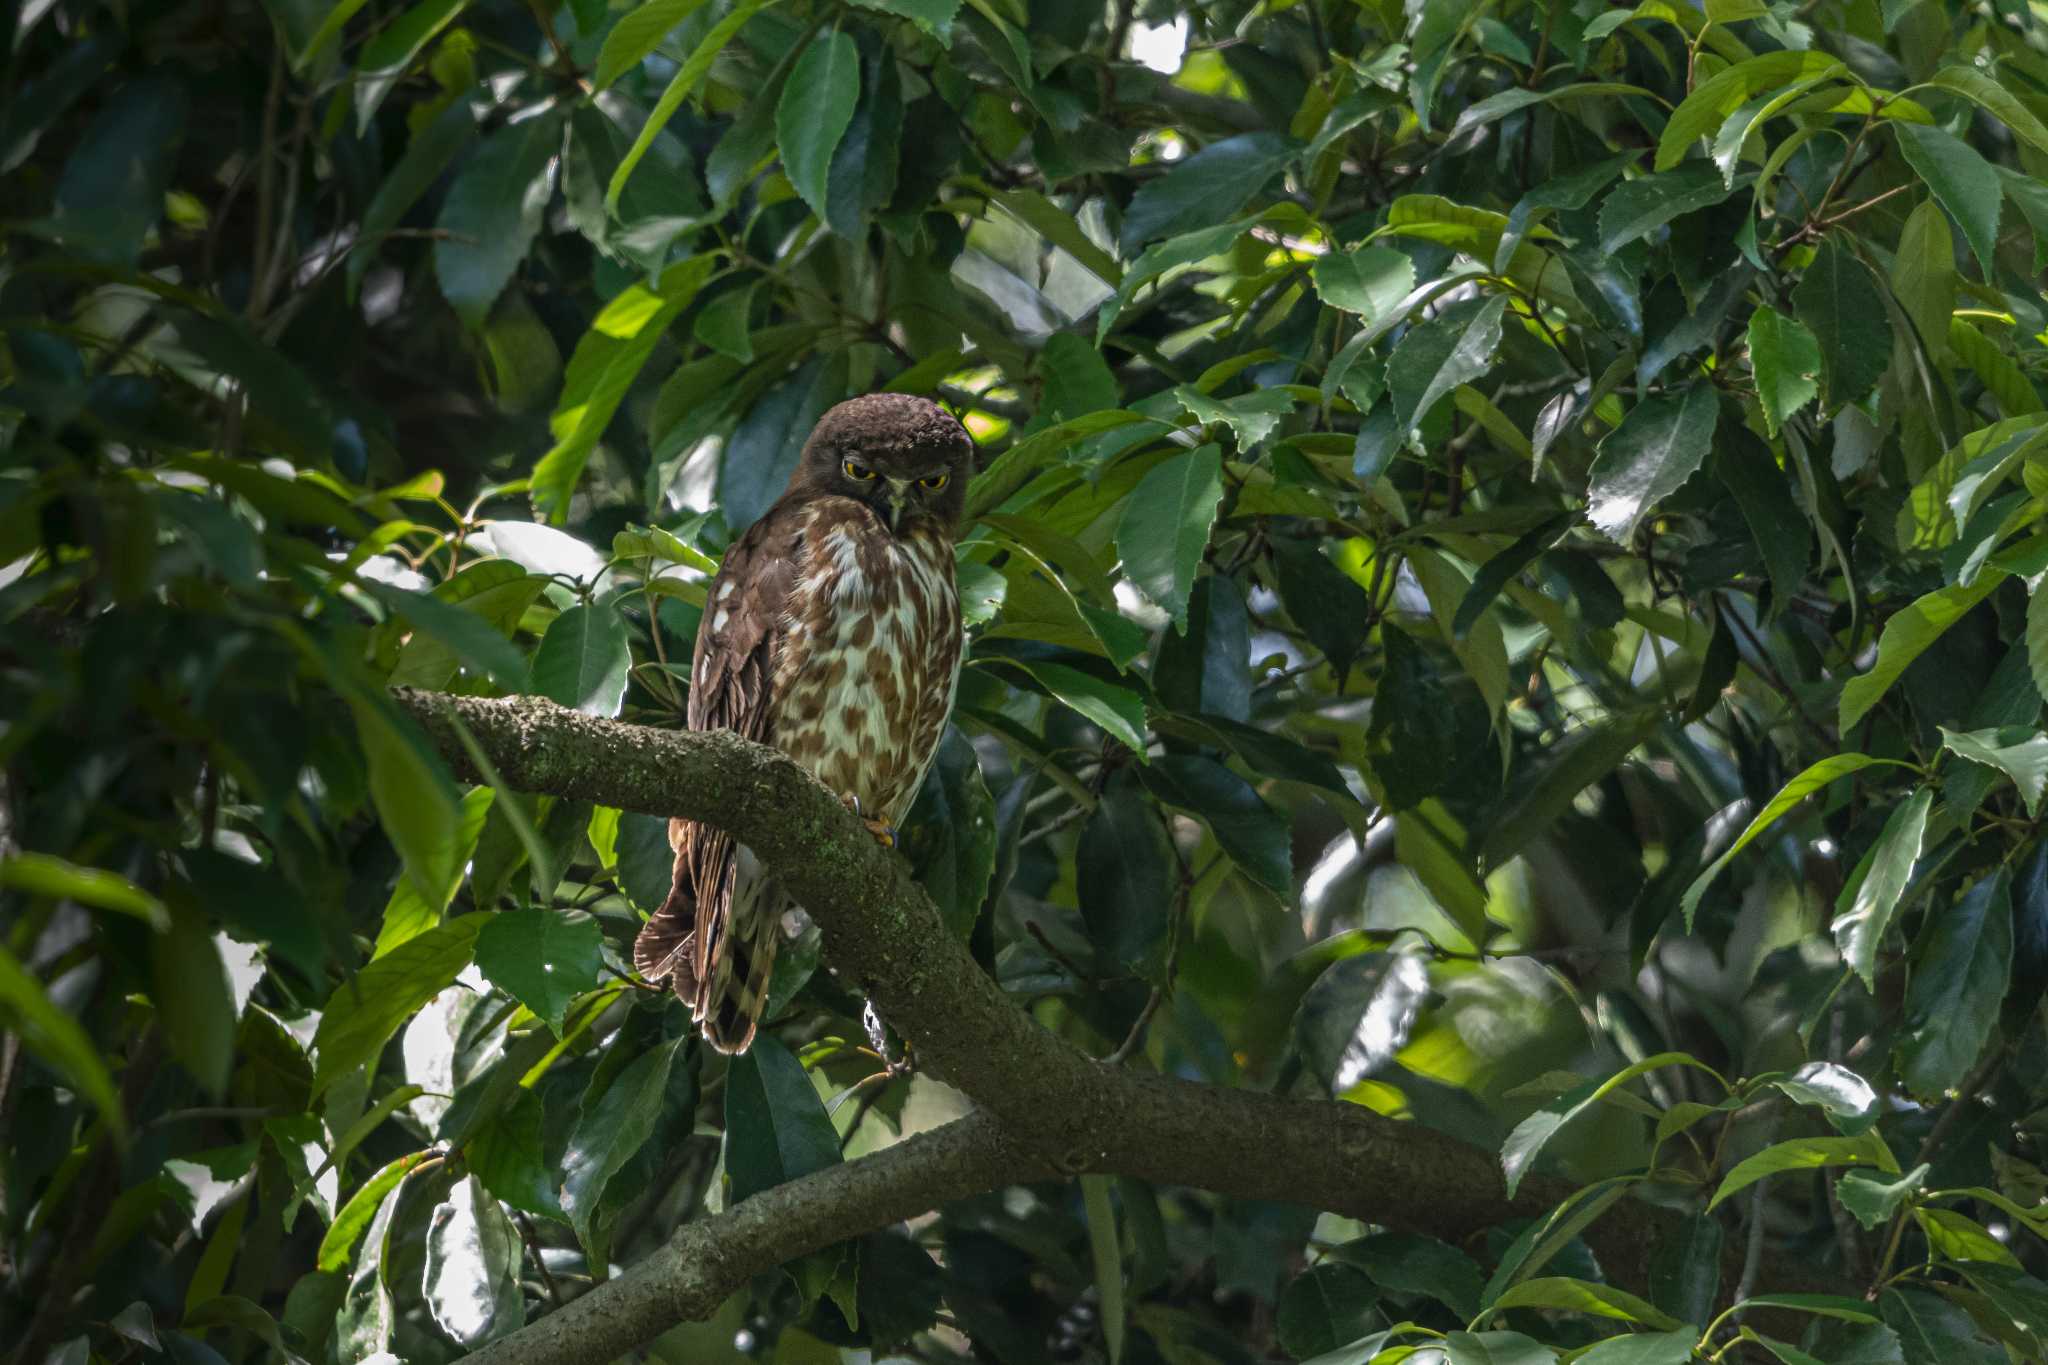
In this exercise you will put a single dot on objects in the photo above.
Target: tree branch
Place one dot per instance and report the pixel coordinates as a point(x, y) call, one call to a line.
point(1045, 1106)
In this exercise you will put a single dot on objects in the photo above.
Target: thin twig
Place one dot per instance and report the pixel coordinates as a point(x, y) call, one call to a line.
point(532, 1236)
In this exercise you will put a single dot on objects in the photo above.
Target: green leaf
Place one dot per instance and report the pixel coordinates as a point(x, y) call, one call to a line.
point(1657, 447)
point(1965, 183)
point(1785, 359)
point(1581, 1296)
point(607, 360)
point(1118, 710)
point(55, 1036)
point(1806, 1154)
point(1206, 188)
point(1933, 1331)
point(1585, 756)
point(1452, 348)
point(1960, 973)
point(1324, 1308)
point(1838, 299)
point(504, 1151)
point(389, 54)
point(1185, 249)
point(1370, 280)
point(1122, 868)
point(1993, 98)
point(763, 451)
point(1763, 491)
point(1874, 1201)
point(1254, 834)
point(2019, 753)
point(40, 874)
point(1463, 1348)
point(2037, 636)
point(636, 35)
point(189, 986)
point(1643, 1348)
point(2001, 374)
point(2019, 1296)
point(816, 107)
point(471, 1283)
point(1060, 227)
point(413, 793)
point(1166, 524)
point(426, 156)
point(1817, 776)
point(1636, 208)
point(583, 661)
point(1358, 1014)
point(1685, 1270)
point(1907, 635)
point(1410, 1263)
point(1859, 931)
point(467, 635)
point(362, 1206)
point(933, 16)
point(609, 1132)
point(493, 213)
point(541, 958)
point(1718, 96)
point(1107, 1253)
point(1845, 1097)
point(776, 1128)
point(367, 1009)
point(680, 85)
point(111, 192)
point(1533, 1133)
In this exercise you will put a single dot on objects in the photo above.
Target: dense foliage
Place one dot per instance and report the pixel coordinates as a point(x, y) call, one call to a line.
point(1499, 590)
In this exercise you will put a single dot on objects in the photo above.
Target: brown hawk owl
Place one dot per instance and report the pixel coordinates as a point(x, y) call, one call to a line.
point(833, 633)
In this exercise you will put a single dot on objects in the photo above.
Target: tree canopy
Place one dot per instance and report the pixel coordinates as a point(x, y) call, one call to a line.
point(1492, 810)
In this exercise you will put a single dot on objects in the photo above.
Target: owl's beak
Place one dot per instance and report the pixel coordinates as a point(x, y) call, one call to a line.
point(899, 491)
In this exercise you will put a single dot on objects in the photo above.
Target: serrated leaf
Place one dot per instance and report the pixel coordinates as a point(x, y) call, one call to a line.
point(1874, 1201)
point(1166, 524)
point(1965, 183)
point(2013, 750)
point(816, 107)
point(1859, 931)
point(1636, 208)
point(1785, 358)
point(1838, 299)
point(1213, 184)
point(1959, 979)
point(1908, 635)
point(1657, 447)
point(1452, 348)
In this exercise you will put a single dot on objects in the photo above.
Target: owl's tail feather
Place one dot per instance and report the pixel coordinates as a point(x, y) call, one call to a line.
point(735, 986)
point(666, 947)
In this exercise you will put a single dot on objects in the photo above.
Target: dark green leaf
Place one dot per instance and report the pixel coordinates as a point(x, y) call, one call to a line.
point(1963, 181)
point(1452, 348)
point(1859, 931)
point(1208, 187)
point(1125, 879)
point(1166, 524)
point(610, 1131)
point(816, 107)
point(1657, 447)
point(1358, 1014)
point(1253, 833)
point(542, 958)
point(472, 1270)
point(776, 1128)
point(1636, 208)
point(367, 1009)
point(583, 660)
point(1838, 300)
point(1960, 973)
point(111, 192)
point(493, 212)
point(1325, 1307)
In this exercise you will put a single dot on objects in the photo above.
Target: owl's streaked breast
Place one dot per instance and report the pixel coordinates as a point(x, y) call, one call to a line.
point(869, 657)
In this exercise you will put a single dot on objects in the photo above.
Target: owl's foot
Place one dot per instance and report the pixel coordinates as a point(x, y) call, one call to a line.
point(884, 832)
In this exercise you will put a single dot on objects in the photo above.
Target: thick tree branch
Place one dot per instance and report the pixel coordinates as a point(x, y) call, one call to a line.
point(1050, 1105)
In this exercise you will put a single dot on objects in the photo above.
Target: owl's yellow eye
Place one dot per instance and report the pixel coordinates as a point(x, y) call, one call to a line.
point(854, 469)
point(934, 482)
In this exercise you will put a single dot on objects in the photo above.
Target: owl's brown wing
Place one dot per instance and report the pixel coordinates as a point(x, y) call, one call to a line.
point(730, 680)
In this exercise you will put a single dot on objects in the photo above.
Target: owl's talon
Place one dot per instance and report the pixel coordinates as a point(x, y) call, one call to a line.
point(884, 832)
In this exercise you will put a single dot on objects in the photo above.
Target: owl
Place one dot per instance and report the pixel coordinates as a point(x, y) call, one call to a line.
point(833, 633)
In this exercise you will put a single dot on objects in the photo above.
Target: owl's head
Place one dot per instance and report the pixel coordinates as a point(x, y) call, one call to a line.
point(905, 457)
